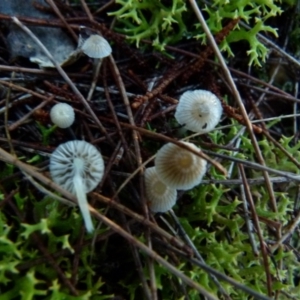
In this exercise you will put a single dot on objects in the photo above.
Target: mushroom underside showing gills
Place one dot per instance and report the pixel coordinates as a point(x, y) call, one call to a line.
point(96, 46)
point(78, 167)
point(179, 168)
point(160, 196)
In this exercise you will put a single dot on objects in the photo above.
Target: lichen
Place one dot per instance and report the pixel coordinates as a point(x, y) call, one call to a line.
point(167, 24)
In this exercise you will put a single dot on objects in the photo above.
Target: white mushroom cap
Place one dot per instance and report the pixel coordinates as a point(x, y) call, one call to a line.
point(199, 110)
point(179, 168)
point(62, 115)
point(78, 167)
point(96, 46)
point(161, 197)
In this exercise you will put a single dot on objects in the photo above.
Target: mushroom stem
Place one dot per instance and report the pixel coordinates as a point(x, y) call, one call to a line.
point(82, 202)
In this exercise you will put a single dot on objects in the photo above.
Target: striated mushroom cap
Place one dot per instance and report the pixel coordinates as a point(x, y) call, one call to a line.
point(78, 167)
point(96, 46)
point(179, 168)
point(62, 115)
point(161, 197)
point(199, 111)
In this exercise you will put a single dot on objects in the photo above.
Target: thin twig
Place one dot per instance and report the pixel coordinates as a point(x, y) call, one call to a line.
point(197, 254)
point(237, 97)
point(64, 75)
point(258, 229)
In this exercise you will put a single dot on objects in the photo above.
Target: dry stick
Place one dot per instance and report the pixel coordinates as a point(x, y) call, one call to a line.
point(22, 89)
point(258, 229)
point(29, 146)
point(277, 118)
point(277, 92)
point(197, 254)
point(136, 171)
point(224, 277)
point(249, 223)
point(38, 71)
point(162, 112)
point(237, 97)
point(172, 240)
point(255, 166)
point(62, 18)
point(150, 262)
point(43, 190)
point(64, 75)
point(128, 109)
point(287, 295)
point(284, 151)
point(7, 98)
point(171, 140)
point(151, 94)
point(87, 10)
point(295, 107)
point(278, 229)
point(282, 93)
point(104, 7)
point(136, 145)
point(96, 70)
point(256, 295)
point(294, 61)
point(122, 89)
point(213, 162)
point(6, 157)
point(251, 181)
point(128, 179)
point(112, 109)
point(18, 99)
point(97, 62)
point(16, 124)
point(267, 92)
point(137, 259)
point(289, 232)
point(10, 159)
point(154, 255)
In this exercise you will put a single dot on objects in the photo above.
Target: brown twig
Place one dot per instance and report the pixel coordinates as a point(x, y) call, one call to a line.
point(258, 229)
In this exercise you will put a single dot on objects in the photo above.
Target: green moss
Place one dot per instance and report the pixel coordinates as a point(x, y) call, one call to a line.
point(167, 24)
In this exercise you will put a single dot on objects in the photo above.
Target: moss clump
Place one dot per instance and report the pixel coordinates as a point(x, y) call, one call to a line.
point(167, 24)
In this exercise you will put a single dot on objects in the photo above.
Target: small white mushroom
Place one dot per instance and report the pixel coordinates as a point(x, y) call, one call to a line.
point(78, 167)
point(96, 46)
point(62, 115)
point(199, 110)
point(161, 197)
point(179, 168)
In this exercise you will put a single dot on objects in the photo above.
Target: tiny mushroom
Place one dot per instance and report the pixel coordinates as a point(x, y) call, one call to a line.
point(96, 46)
point(199, 110)
point(179, 168)
point(62, 115)
point(161, 197)
point(78, 167)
